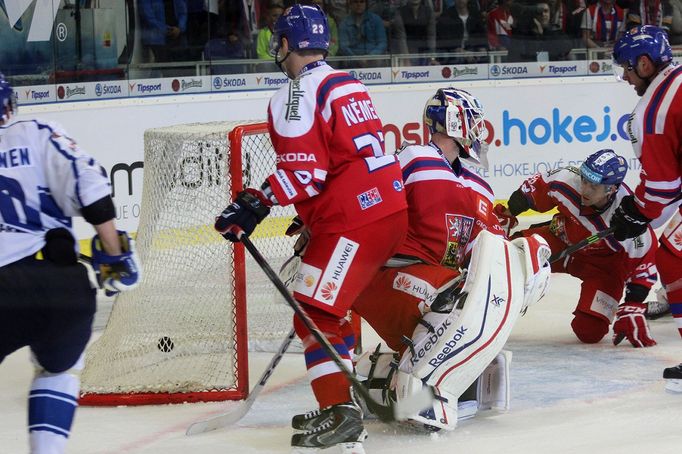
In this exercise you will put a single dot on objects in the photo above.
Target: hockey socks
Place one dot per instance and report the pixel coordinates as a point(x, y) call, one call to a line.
point(52, 404)
point(328, 382)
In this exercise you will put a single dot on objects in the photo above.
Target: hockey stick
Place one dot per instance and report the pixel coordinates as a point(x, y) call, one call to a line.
point(235, 414)
point(581, 244)
point(387, 413)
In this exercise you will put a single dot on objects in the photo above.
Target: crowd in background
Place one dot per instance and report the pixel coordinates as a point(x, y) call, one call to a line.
point(527, 30)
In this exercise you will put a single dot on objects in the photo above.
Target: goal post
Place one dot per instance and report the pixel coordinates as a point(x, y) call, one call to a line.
point(184, 333)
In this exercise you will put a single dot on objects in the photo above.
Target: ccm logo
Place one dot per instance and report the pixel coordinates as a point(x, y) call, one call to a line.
point(296, 157)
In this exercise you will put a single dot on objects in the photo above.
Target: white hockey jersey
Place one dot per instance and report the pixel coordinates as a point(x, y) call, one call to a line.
point(45, 179)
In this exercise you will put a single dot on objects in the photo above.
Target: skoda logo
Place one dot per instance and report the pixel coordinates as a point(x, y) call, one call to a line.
point(494, 70)
point(353, 73)
point(217, 83)
point(98, 89)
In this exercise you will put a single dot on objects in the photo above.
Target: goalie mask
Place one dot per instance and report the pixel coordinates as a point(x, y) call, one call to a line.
point(459, 115)
point(8, 100)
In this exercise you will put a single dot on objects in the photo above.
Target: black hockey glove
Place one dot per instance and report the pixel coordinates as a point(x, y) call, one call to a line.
point(244, 214)
point(627, 221)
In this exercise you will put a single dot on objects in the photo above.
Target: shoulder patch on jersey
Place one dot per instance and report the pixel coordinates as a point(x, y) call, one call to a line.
point(293, 108)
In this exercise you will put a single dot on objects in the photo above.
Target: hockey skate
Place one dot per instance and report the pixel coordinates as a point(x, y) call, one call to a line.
point(673, 378)
point(337, 426)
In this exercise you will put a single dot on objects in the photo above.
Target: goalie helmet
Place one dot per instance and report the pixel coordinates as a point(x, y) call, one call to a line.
point(459, 115)
point(604, 167)
point(304, 26)
point(8, 99)
point(648, 40)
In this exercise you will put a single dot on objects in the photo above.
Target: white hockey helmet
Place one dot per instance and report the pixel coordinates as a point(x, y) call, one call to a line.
point(459, 115)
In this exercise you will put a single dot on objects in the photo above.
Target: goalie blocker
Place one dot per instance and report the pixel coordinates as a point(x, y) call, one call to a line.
point(450, 352)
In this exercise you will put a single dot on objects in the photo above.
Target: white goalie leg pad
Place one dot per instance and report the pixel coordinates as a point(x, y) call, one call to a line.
point(537, 267)
point(379, 373)
point(441, 415)
point(375, 369)
point(492, 391)
point(463, 344)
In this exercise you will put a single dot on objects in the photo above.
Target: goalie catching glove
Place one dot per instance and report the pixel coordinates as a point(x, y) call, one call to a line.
point(243, 215)
point(116, 273)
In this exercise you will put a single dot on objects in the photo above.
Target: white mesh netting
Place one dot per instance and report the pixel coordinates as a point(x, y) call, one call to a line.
point(175, 333)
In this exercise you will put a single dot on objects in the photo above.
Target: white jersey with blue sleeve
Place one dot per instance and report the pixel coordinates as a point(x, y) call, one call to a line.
point(45, 180)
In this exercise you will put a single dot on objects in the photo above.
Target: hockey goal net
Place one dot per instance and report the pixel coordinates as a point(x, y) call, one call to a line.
point(182, 335)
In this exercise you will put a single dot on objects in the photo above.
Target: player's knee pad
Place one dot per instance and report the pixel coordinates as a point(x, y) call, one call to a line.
point(589, 328)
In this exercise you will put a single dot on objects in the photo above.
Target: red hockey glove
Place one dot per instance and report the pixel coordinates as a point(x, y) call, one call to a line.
point(631, 323)
point(507, 220)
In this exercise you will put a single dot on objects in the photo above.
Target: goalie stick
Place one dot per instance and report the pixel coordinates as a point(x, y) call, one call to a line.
point(235, 414)
point(387, 413)
point(581, 244)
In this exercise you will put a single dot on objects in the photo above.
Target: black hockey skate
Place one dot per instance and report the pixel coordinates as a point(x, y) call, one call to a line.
point(673, 378)
point(336, 426)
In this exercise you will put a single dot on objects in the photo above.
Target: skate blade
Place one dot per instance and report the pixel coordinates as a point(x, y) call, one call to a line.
point(354, 447)
point(673, 385)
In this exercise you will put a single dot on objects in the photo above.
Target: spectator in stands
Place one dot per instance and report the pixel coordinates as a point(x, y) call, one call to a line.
point(675, 34)
point(338, 9)
point(460, 29)
point(274, 10)
point(202, 20)
point(650, 12)
point(414, 30)
point(361, 33)
point(333, 30)
point(164, 26)
point(602, 24)
point(241, 17)
point(228, 45)
point(537, 40)
point(565, 16)
point(499, 28)
point(386, 9)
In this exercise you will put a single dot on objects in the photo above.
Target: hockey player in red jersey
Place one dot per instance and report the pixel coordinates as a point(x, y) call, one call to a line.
point(586, 199)
point(331, 166)
point(643, 57)
point(448, 206)
point(449, 209)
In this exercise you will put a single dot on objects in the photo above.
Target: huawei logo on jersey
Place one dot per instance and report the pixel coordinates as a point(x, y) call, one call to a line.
point(677, 241)
point(402, 283)
point(328, 290)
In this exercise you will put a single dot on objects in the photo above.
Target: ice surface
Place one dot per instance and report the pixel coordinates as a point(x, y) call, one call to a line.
point(566, 398)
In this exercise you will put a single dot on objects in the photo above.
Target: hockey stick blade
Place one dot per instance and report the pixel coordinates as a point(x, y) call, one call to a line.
point(235, 414)
point(386, 413)
point(581, 244)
